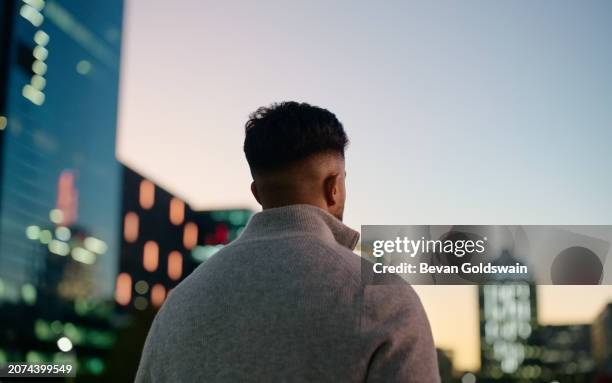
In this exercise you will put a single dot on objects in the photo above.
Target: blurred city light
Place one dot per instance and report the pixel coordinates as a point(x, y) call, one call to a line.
point(83, 67)
point(64, 344)
point(32, 15)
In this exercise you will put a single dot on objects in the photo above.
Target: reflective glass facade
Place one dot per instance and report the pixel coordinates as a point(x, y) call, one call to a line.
point(60, 180)
point(60, 183)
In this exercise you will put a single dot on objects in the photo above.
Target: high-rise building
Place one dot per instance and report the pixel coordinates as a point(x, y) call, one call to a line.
point(562, 353)
point(164, 240)
point(602, 341)
point(508, 316)
point(59, 179)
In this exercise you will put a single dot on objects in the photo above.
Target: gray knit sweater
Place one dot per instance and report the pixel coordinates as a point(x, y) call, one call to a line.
point(287, 302)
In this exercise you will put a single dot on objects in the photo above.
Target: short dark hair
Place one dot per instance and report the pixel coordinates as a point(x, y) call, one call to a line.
point(286, 132)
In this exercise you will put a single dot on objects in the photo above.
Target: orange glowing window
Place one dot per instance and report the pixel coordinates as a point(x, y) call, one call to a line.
point(150, 257)
point(158, 295)
point(123, 289)
point(177, 211)
point(67, 198)
point(130, 227)
point(175, 265)
point(147, 194)
point(190, 235)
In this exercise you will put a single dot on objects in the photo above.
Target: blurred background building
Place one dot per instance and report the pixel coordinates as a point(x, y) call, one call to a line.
point(562, 352)
point(60, 181)
point(515, 347)
point(508, 316)
point(163, 240)
point(602, 342)
point(59, 110)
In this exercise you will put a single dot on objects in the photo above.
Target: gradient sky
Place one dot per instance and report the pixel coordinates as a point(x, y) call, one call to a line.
point(458, 112)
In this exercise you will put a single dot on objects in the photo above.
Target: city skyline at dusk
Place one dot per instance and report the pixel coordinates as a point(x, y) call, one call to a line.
point(477, 155)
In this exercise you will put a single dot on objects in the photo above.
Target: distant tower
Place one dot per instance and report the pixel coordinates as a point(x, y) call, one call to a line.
point(508, 317)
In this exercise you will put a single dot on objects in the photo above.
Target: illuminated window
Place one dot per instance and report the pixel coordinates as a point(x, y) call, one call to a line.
point(158, 295)
point(147, 194)
point(123, 289)
point(221, 233)
point(130, 227)
point(177, 211)
point(190, 235)
point(67, 199)
point(175, 265)
point(150, 258)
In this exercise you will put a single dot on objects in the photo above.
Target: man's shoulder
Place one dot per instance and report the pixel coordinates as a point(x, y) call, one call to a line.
point(302, 244)
point(304, 256)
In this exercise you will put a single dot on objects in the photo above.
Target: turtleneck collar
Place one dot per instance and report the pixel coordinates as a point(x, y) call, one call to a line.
point(307, 219)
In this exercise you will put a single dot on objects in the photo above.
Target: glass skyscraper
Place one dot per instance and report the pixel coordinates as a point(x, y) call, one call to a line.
point(60, 183)
point(59, 111)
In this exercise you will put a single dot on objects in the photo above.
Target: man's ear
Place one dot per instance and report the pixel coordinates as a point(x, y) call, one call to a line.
point(330, 189)
point(255, 192)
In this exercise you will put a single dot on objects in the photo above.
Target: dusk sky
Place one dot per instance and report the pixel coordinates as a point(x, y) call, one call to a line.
point(472, 112)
